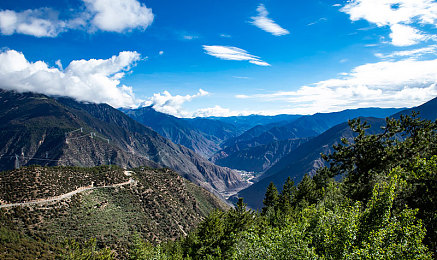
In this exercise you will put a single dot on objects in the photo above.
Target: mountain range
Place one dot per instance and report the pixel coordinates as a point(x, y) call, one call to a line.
point(268, 143)
point(203, 136)
point(37, 129)
point(307, 157)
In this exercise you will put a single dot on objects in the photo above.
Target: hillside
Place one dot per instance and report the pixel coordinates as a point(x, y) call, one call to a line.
point(381, 208)
point(426, 110)
point(37, 129)
point(203, 136)
point(158, 204)
point(305, 159)
point(302, 127)
point(260, 158)
point(244, 123)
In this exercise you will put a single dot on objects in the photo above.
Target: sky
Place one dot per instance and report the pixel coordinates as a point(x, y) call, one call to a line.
point(223, 58)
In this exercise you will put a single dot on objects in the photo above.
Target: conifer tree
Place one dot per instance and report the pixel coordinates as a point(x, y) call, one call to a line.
point(287, 195)
point(271, 199)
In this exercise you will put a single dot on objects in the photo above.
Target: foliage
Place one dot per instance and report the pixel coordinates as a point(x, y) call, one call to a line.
point(271, 199)
point(85, 251)
point(15, 245)
point(143, 250)
point(402, 142)
point(383, 208)
point(378, 211)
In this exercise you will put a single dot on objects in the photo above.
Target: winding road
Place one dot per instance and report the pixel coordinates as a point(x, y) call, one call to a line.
point(69, 194)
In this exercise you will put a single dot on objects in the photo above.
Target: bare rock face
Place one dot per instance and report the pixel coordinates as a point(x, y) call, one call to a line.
point(37, 129)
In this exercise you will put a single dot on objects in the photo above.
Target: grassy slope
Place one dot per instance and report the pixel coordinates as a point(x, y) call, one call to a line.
point(160, 206)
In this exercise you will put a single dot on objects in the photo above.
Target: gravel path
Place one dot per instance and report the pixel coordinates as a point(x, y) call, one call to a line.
point(67, 195)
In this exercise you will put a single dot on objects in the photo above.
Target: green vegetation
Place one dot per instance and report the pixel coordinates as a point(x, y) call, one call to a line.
point(384, 207)
point(36, 182)
point(101, 223)
point(376, 200)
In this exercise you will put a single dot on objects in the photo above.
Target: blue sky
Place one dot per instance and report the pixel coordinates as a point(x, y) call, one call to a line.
point(202, 58)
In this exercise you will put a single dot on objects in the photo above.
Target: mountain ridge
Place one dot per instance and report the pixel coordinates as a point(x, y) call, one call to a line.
point(302, 127)
point(306, 158)
point(203, 138)
point(35, 125)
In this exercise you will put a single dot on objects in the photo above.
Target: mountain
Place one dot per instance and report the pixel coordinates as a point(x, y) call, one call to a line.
point(303, 127)
point(203, 136)
point(321, 122)
point(37, 129)
point(305, 159)
point(111, 205)
point(259, 136)
point(426, 110)
point(215, 130)
point(262, 157)
point(244, 123)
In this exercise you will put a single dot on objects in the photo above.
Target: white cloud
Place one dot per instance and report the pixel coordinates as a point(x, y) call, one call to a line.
point(59, 64)
point(241, 77)
point(384, 12)
point(169, 104)
point(323, 19)
point(415, 53)
point(92, 80)
point(400, 15)
point(119, 15)
point(214, 111)
point(264, 23)
point(105, 15)
point(39, 23)
point(233, 53)
point(404, 35)
point(173, 105)
point(161, 52)
point(403, 83)
point(190, 37)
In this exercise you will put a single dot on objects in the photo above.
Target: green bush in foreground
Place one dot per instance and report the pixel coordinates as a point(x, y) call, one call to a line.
point(385, 207)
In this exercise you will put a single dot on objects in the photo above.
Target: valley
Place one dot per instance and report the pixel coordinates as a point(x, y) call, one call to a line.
point(103, 172)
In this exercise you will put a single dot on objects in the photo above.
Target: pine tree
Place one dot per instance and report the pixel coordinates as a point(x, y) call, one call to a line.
point(287, 195)
point(271, 199)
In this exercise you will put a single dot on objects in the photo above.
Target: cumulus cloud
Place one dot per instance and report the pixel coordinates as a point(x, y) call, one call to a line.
point(42, 22)
point(233, 53)
point(399, 15)
point(169, 104)
point(404, 35)
point(95, 80)
point(404, 83)
point(119, 15)
point(264, 23)
point(105, 15)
